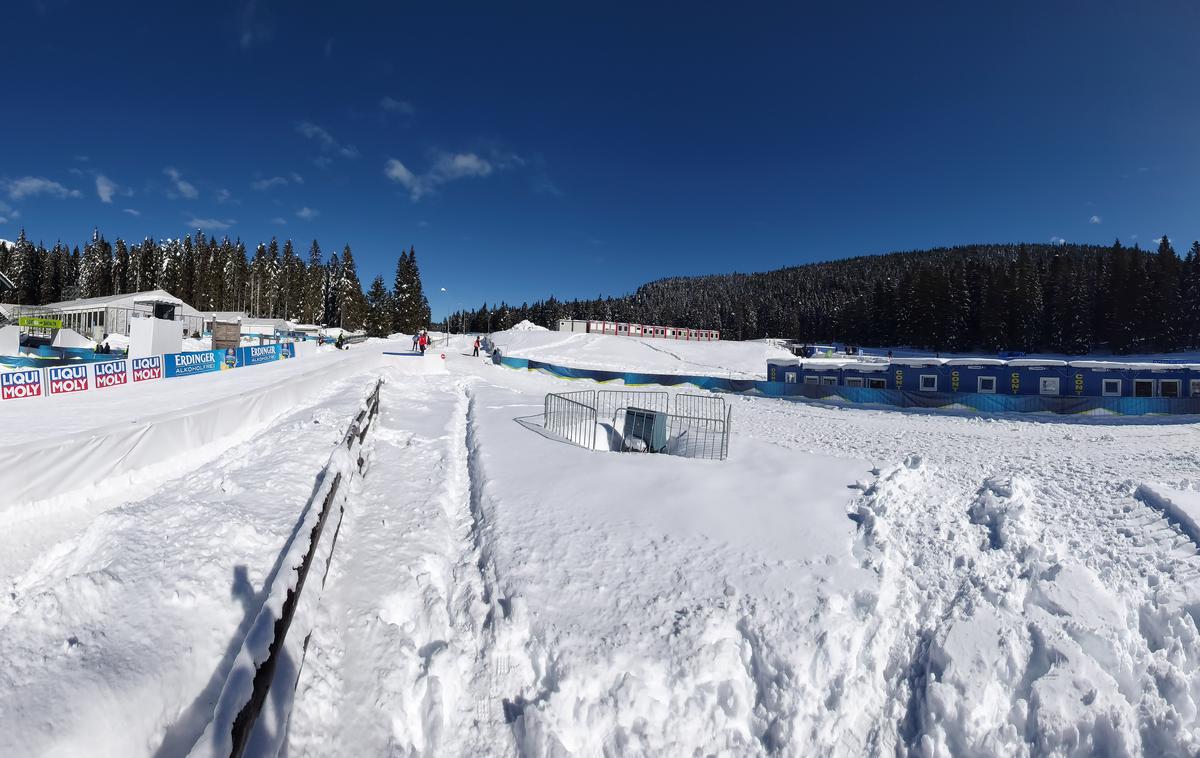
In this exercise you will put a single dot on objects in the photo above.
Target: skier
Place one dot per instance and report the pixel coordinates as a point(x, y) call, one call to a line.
point(476, 353)
point(341, 342)
point(416, 340)
point(424, 341)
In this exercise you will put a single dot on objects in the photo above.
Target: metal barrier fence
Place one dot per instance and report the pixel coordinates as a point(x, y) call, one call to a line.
point(673, 434)
point(608, 401)
point(699, 427)
point(572, 416)
point(701, 406)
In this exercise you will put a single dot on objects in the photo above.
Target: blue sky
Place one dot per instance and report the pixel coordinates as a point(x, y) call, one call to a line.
point(561, 148)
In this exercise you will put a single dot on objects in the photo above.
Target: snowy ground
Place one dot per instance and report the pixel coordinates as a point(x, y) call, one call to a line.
point(599, 351)
point(849, 582)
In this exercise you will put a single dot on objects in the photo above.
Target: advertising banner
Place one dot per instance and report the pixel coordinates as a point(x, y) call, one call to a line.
point(110, 373)
point(39, 323)
point(64, 379)
point(256, 354)
point(199, 362)
point(145, 369)
point(17, 384)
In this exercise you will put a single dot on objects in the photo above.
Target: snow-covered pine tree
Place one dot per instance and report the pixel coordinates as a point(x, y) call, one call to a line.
point(313, 307)
point(350, 305)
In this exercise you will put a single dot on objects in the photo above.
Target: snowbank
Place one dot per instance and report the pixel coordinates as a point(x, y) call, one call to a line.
point(637, 354)
point(527, 326)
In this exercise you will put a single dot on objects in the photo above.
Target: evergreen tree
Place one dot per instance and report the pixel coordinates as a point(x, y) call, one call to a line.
point(313, 307)
point(379, 309)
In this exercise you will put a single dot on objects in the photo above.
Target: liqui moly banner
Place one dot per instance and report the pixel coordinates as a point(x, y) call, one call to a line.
point(145, 369)
point(199, 362)
point(16, 384)
point(110, 373)
point(64, 379)
point(256, 354)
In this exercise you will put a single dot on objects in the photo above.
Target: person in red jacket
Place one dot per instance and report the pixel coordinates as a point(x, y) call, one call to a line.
point(423, 342)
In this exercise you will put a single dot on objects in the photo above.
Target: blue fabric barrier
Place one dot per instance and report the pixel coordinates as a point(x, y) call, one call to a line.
point(961, 401)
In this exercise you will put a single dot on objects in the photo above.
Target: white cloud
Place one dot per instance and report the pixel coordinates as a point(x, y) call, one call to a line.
point(223, 195)
point(266, 184)
point(423, 224)
point(1095, 220)
point(105, 188)
point(9, 211)
point(82, 158)
point(211, 224)
point(322, 161)
point(252, 28)
point(308, 213)
point(28, 186)
point(296, 178)
point(133, 211)
point(279, 220)
point(311, 131)
point(182, 186)
point(392, 105)
point(447, 167)
point(1056, 240)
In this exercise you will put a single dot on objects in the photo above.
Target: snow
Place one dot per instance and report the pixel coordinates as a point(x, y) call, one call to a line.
point(850, 581)
point(600, 351)
point(527, 326)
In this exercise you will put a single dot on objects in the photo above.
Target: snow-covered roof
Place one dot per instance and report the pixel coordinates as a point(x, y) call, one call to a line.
point(976, 362)
point(126, 300)
point(923, 361)
point(1134, 365)
point(1035, 362)
point(224, 315)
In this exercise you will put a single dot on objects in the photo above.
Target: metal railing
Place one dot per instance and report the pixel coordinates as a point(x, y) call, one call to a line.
point(673, 434)
point(701, 406)
point(608, 401)
point(243, 724)
point(572, 416)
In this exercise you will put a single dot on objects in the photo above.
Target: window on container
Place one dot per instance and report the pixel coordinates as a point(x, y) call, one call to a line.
point(929, 382)
point(877, 384)
point(986, 385)
point(1168, 388)
point(1048, 385)
point(789, 377)
point(1111, 388)
point(829, 380)
point(854, 381)
point(1143, 388)
point(1194, 388)
point(811, 380)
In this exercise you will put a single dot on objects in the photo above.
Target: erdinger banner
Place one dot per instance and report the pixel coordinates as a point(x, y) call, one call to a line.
point(145, 369)
point(200, 362)
point(64, 379)
point(110, 373)
point(256, 354)
point(16, 384)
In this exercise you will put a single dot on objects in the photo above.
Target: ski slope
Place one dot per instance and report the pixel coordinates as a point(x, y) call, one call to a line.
point(609, 352)
point(848, 582)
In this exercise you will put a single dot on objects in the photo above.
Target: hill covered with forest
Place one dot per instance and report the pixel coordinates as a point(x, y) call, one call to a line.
point(1024, 297)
